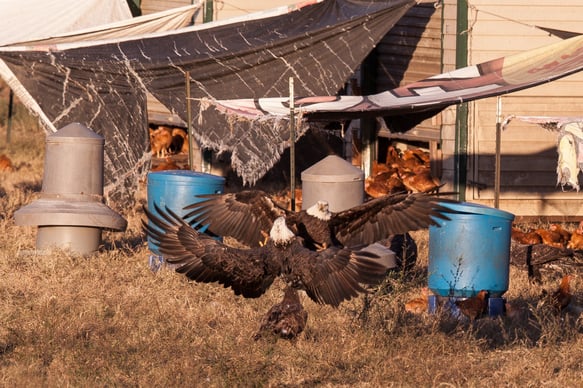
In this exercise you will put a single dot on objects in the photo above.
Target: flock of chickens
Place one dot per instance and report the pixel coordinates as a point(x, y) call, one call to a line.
point(542, 245)
point(555, 240)
point(477, 306)
point(408, 170)
point(555, 236)
point(166, 141)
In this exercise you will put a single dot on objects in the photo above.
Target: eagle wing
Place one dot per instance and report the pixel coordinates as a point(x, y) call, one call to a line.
point(249, 272)
point(246, 216)
point(335, 274)
point(384, 216)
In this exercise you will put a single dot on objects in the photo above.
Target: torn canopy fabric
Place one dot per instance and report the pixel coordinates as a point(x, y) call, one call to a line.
point(103, 85)
point(156, 22)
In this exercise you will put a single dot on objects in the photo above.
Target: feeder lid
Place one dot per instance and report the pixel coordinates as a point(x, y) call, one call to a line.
point(184, 176)
point(332, 169)
point(73, 132)
point(474, 208)
point(66, 212)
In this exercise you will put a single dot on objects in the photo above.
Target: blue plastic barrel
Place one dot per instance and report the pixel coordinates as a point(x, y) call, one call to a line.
point(470, 252)
point(179, 188)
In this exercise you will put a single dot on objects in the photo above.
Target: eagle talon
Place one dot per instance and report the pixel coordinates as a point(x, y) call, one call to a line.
point(265, 238)
point(321, 246)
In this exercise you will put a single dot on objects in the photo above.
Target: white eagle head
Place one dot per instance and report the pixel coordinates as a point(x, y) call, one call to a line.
point(320, 210)
point(280, 234)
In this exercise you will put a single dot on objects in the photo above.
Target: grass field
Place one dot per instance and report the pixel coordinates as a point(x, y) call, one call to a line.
point(108, 320)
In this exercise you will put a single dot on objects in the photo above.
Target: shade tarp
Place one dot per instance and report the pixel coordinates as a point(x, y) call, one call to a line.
point(26, 20)
point(104, 85)
point(488, 79)
point(156, 22)
point(168, 20)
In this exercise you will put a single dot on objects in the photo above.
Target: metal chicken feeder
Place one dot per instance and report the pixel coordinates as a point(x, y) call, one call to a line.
point(341, 184)
point(334, 180)
point(70, 213)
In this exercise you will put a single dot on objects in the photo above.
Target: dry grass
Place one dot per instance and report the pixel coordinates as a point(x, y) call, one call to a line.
point(109, 320)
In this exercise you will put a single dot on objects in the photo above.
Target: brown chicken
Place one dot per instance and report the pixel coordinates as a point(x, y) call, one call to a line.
point(160, 141)
point(565, 234)
point(393, 157)
point(5, 163)
point(179, 142)
point(561, 298)
point(550, 237)
point(417, 153)
point(526, 238)
point(422, 182)
point(376, 186)
point(419, 305)
point(410, 165)
point(576, 240)
point(475, 306)
point(379, 168)
point(382, 184)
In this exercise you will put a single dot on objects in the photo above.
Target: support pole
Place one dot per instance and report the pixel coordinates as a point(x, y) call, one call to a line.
point(208, 11)
point(292, 146)
point(206, 154)
point(497, 173)
point(191, 142)
point(461, 130)
point(9, 123)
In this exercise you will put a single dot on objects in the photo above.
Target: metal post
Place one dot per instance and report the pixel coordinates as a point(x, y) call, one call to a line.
point(206, 154)
point(292, 146)
point(461, 133)
point(191, 142)
point(208, 11)
point(9, 123)
point(368, 126)
point(498, 146)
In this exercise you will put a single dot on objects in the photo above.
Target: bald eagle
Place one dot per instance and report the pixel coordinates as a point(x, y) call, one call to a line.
point(328, 276)
point(249, 214)
point(286, 319)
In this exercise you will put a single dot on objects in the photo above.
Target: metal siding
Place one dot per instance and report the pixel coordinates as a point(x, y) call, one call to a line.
point(411, 51)
point(528, 152)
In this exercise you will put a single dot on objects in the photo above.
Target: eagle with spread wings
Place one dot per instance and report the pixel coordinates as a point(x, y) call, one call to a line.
point(328, 276)
point(248, 216)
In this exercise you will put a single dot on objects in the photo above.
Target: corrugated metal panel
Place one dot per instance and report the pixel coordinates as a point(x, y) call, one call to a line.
point(411, 51)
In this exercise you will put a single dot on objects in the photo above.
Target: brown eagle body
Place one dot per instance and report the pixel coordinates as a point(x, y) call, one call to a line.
point(328, 276)
point(249, 214)
point(286, 319)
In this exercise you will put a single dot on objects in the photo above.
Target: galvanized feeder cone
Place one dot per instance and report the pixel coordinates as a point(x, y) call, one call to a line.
point(70, 212)
point(335, 180)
